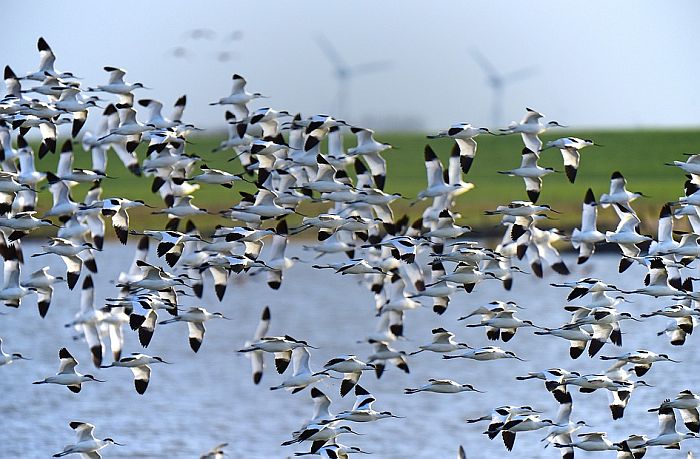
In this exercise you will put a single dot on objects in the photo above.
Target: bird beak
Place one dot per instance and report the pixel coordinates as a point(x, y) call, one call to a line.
point(674, 361)
point(556, 212)
point(98, 380)
point(227, 318)
point(118, 444)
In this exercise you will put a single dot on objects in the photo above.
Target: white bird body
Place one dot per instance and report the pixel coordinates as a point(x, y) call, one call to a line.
point(484, 354)
point(442, 386)
point(443, 342)
point(67, 376)
point(86, 444)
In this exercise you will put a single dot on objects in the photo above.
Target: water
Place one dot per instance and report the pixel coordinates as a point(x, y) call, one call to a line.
point(208, 398)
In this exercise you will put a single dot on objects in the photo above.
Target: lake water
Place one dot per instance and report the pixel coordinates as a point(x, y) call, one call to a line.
point(208, 398)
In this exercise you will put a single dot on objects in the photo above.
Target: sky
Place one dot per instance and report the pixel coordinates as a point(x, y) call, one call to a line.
point(586, 63)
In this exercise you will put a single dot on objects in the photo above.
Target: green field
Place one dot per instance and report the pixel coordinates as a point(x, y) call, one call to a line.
point(639, 154)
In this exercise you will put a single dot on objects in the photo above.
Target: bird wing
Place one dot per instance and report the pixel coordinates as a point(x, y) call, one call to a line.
point(377, 166)
point(83, 431)
point(68, 362)
point(263, 324)
point(116, 338)
point(92, 337)
point(238, 85)
point(667, 421)
point(531, 116)
point(434, 171)
point(589, 213)
point(87, 296)
point(196, 330)
point(120, 223)
point(141, 372)
point(116, 75)
point(532, 142)
point(461, 159)
point(11, 271)
point(300, 361)
point(571, 161)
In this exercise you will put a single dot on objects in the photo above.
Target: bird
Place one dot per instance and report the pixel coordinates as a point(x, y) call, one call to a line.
point(463, 134)
point(362, 410)
point(6, 359)
point(281, 346)
point(86, 444)
point(116, 84)
point(442, 386)
point(382, 353)
point(443, 342)
point(687, 403)
point(216, 452)
point(68, 251)
point(585, 238)
point(521, 424)
point(618, 192)
point(139, 365)
point(485, 353)
point(46, 64)
point(351, 367)
point(626, 235)
point(195, 318)
point(570, 150)
point(13, 291)
point(302, 376)
point(668, 436)
point(67, 376)
point(641, 359)
point(257, 361)
point(88, 320)
point(437, 185)
point(529, 128)
point(238, 97)
point(531, 173)
point(369, 149)
point(590, 441)
point(504, 324)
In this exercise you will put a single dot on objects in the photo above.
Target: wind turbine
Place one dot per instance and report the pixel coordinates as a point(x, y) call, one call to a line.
point(344, 73)
point(498, 81)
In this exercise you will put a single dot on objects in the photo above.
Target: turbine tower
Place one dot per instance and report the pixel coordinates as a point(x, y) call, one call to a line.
point(498, 82)
point(344, 73)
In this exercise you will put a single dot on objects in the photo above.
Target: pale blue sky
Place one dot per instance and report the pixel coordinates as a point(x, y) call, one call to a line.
point(599, 63)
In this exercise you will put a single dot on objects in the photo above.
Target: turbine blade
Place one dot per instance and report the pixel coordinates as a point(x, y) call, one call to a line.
point(331, 53)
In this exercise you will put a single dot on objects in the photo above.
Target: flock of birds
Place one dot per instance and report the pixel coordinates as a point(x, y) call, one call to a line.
point(404, 264)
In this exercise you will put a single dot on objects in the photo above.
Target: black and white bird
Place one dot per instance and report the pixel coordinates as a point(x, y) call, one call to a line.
point(86, 444)
point(195, 318)
point(530, 172)
point(139, 365)
point(67, 376)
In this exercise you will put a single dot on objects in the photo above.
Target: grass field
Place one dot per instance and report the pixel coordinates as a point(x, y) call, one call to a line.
point(639, 154)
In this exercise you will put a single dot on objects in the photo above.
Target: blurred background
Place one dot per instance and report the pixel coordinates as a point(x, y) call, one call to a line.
point(392, 65)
